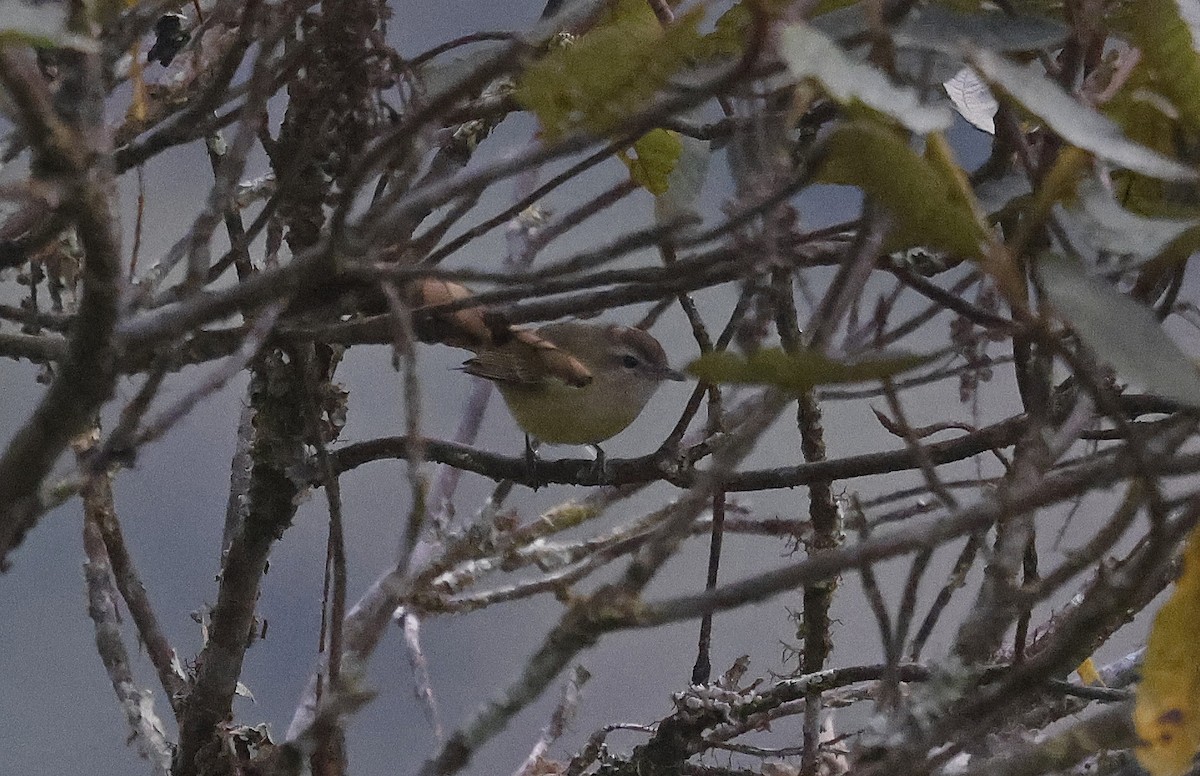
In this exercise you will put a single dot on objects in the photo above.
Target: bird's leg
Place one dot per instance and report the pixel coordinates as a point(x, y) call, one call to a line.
point(600, 465)
point(531, 460)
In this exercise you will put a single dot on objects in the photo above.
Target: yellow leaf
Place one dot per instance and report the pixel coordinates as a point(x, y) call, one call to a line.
point(1088, 673)
point(139, 106)
point(1167, 715)
point(657, 153)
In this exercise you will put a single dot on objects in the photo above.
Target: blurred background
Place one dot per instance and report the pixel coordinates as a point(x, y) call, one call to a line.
point(60, 715)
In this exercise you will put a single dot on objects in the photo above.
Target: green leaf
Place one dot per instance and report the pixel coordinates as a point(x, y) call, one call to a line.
point(656, 154)
point(685, 182)
point(932, 27)
point(728, 37)
point(998, 197)
point(941, 29)
point(444, 74)
point(799, 371)
point(1074, 122)
point(601, 78)
point(809, 53)
point(824, 7)
point(1096, 219)
point(880, 162)
point(841, 21)
point(1169, 39)
point(1149, 117)
point(1120, 330)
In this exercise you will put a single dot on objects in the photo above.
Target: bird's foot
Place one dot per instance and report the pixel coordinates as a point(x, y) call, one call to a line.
point(600, 464)
point(531, 462)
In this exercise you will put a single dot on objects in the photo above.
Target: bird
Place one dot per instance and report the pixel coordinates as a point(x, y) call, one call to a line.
point(574, 382)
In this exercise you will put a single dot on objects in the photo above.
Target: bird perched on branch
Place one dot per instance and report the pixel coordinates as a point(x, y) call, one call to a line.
point(574, 383)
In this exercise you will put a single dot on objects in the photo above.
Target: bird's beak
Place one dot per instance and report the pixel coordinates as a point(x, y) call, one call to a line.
point(674, 374)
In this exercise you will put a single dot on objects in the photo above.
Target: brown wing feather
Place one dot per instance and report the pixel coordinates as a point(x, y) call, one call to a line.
point(500, 368)
point(528, 359)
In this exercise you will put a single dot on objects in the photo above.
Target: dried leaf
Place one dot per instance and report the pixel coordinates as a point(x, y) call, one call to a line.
point(973, 100)
point(243, 691)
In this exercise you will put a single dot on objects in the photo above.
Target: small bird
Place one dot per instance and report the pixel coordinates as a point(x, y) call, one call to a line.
point(575, 383)
point(570, 383)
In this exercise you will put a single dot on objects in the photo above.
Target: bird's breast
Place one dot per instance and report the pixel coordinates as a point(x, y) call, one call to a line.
point(561, 414)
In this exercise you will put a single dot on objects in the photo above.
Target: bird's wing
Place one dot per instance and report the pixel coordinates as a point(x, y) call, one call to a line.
point(500, 368)
point(528, 359)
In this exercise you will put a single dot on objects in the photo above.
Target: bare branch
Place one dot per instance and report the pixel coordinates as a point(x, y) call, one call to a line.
point(77, 149)
point(146, 729)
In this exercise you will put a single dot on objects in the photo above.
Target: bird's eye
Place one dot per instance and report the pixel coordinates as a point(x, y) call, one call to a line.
point(630, 362)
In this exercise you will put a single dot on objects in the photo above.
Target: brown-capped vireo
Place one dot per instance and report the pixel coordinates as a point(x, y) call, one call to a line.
point(572, 383)
point(622, 368)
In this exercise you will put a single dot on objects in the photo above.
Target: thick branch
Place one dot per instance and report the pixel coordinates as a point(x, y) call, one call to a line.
point(85, 378)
